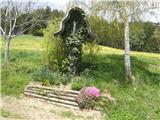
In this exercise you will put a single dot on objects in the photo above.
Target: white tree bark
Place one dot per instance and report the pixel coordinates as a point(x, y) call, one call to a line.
point(127, 62)
point(11, 11)
point(6, 50)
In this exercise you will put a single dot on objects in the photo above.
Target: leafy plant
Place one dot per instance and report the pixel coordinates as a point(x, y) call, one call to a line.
point(45, 83)
point(46, 76)
point(54, 54)
point(77, 85)
point(73, 51)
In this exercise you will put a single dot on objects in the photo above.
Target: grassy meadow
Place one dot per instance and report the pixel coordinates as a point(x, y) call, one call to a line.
point(138, 102)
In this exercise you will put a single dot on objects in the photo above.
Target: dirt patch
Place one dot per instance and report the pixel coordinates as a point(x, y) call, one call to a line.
point(33, 109)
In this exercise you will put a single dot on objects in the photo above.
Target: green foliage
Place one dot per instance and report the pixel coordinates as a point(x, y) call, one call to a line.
point(68, 114)
point(73, 49)
point(25, 57)
point(91, 49)
point(48, 77)
point(142, 34)
point(102, 103)
point(54, 54)
point(151, 44)
point(46, 15)
point(110, 34)
point(77, 86)
point(133, 104)
point(77, 83)
point(141, 101)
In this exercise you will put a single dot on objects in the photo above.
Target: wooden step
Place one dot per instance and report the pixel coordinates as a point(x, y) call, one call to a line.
point(63, 97)
point(56, 100)
point(48, 94)
point(52, 92)
point(64, 94)
point(53, 89)
point(59, 104)
point(66, 98)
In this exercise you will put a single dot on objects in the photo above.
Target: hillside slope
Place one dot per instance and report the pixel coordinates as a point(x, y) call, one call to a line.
point(105, 71)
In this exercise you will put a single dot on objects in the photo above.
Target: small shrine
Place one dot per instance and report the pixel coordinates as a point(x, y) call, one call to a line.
point(74, 31)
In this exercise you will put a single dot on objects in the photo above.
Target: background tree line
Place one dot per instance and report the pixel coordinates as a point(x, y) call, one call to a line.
point(144, 36)
point(45, 14)
point(48, 15)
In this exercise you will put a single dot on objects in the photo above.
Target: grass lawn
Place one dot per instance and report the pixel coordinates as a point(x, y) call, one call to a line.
point(141, 102)
point(25, 57)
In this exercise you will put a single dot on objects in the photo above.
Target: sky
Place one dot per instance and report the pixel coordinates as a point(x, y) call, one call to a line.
point(61, 5)
point(56, 4)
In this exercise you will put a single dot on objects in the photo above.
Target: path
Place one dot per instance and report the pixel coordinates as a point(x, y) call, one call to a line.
point(33, 109)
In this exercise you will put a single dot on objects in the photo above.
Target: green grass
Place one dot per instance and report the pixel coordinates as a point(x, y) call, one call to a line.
point(5, 113)
point(8, 114)
point(67, 114)
point(25, 56)
point(140, 102)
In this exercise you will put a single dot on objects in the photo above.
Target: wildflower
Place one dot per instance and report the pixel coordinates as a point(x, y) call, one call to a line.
point(87, 97)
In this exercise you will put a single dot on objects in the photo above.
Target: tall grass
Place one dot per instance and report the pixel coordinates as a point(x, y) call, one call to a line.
point(140, 102)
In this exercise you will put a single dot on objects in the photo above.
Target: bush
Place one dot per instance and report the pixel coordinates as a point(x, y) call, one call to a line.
point(47, 76)
point(54, 49)
point(87, 97)
point(77, 85)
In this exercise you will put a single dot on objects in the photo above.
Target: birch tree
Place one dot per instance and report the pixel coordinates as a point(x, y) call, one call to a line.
point(125, 11)
point(11, 13)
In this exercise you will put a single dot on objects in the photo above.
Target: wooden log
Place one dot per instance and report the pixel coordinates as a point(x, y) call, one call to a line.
point(54, 92)
point(48, 94)
point(53, 89)
point(65, 94)
point(63, 97)
point(52, 99)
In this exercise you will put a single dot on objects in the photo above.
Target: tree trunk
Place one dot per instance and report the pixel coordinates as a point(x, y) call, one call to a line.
point(127, 63)
point(6, 50)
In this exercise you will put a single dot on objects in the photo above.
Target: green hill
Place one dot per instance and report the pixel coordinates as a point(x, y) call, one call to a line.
point(138, 102)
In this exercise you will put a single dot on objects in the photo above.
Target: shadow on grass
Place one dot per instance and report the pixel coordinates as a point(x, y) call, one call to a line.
point(103, 69)
point(110, 68)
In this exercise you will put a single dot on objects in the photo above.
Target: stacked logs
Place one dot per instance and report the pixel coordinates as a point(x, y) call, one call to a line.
point(66, 98)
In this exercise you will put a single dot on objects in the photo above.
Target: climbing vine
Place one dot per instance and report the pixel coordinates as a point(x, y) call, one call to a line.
point(73, 50)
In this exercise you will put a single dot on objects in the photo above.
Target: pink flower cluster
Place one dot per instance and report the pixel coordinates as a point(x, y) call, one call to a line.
point(87, 96)
point(92, 91)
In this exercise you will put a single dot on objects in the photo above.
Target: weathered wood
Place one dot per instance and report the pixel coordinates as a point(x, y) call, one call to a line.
point(48, 94)
point(52, 89)
point(56, 100)
point(68, 95)
point(58, 104)
point(66, 98)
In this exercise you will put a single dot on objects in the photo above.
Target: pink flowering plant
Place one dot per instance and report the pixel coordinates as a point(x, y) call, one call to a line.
point(88, 97)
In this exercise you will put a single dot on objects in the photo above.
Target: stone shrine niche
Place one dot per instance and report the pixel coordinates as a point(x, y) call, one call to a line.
point(74, 31)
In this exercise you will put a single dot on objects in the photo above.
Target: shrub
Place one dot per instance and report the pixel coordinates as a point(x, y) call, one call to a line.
point(54, 54)
point(91, 49)
point(87, 97)
point(46, 76)
point(78, 83)
point(45, 83)
point(77, 86)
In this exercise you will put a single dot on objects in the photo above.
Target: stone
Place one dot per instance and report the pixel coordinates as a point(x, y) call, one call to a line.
point(74, 31)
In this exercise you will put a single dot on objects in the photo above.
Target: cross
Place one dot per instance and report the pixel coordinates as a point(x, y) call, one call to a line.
point(74, 26)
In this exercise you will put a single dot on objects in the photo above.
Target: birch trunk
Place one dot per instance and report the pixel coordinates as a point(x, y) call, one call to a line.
point(127, 63)
point(6, 50)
